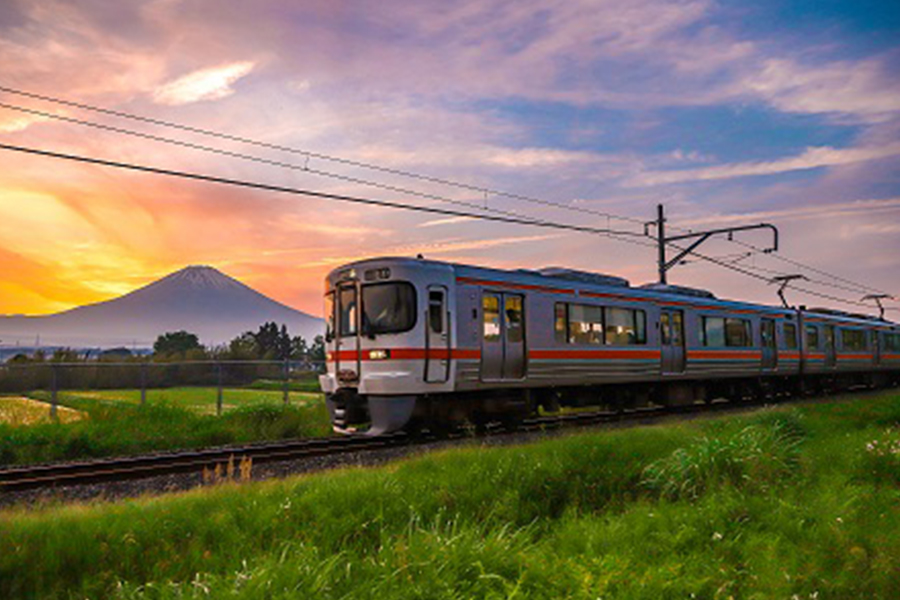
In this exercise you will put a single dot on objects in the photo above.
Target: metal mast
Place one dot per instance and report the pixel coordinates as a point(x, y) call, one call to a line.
point(699, 237)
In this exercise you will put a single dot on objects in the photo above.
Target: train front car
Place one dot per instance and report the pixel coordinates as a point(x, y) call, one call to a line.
point(388, 341)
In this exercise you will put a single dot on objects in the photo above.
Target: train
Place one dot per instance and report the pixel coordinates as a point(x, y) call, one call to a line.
point(415, 344)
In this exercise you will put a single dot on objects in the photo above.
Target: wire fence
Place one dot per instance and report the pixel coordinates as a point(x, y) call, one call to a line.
point(55, 377)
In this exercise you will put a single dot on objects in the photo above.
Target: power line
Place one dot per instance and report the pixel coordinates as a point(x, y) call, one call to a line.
point(365, 201)
point(266, 161)
point(310, 193)
point(859, 286)
point(316, 155)
point(749, 273)
point(512, 217)
point(360, 164)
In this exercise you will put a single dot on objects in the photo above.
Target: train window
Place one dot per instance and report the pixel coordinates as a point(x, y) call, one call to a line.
point(491, 312)
point(790, 336)
point(347, 310)
point(329, 316)
point(388, 308)
point(892, 342)
point(513, 312)
point(854, 339)
point(436, 311)
point(585, 324)
point(560, 326)
point(812, 337)
point(713, 331)
point(767, 333)
point(737, 333)
point(625, 326)
point(677, 329)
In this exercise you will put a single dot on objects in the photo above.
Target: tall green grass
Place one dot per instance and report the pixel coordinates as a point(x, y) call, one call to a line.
point(122, 429)
point(780, 505)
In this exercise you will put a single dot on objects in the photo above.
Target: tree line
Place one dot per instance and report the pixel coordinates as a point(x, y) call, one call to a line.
point(269, 342)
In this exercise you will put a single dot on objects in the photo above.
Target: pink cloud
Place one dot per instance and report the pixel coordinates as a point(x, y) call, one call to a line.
point(211, 83)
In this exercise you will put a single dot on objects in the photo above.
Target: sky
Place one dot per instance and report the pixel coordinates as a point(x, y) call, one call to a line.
point(586, 112)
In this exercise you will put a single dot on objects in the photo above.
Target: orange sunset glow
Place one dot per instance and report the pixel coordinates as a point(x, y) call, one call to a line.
point(726, 128)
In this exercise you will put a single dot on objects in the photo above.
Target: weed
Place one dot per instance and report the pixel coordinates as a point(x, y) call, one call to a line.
point(756, 456)
point(880, 462)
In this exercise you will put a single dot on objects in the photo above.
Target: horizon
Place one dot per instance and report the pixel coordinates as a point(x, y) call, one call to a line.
point(702, 106)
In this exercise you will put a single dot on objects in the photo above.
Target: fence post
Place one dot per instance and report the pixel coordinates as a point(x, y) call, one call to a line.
point(143, 383)
point(54, 384)
point(219, 389)
point(286, 381)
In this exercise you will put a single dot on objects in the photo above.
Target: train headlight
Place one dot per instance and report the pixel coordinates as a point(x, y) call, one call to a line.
point(379, 354)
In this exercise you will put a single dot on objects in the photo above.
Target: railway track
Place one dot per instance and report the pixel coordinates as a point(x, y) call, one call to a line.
point(194, 461)
point(138, 467)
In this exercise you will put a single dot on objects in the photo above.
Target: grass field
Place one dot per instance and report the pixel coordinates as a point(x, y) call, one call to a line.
point(116, 423)
point(796, 502)
point(18, 411)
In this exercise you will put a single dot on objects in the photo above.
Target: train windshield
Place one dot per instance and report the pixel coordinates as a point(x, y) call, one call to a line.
point(388, 308)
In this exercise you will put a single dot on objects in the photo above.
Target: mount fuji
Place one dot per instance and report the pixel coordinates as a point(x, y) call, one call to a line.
point(198, 299)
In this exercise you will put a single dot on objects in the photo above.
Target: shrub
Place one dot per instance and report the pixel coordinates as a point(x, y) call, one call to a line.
point(757, 456)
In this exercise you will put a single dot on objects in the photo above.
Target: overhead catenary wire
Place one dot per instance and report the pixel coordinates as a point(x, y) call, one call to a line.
point(364, 201)
point(796, 263)
point(377, 168)
point(513, 216)
point(275, 163)
point(750, 273)
point(316, 155)
point(297, 191)
point(306, 168)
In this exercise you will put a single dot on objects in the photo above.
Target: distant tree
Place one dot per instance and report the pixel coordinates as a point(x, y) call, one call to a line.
point(299, 348)
point(269, 342)
point(283, 344)
point(20, 358)
point(176, 342)
point(115, 353)
point(65, 355)
point(316, 352)
point(243, 347)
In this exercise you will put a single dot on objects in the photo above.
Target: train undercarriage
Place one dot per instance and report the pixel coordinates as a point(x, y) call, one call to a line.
point(443, 413)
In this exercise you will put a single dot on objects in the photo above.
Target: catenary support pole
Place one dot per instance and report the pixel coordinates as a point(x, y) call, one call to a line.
point(661, 241)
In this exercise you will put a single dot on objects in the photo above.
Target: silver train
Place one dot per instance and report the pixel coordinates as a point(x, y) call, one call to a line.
point(415, 343)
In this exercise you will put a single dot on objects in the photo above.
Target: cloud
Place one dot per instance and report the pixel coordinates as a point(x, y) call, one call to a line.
point(861, 88)
point(19, 122)
point(206, 84)
point(817, 211)
point(447, 221)
point(811, 158)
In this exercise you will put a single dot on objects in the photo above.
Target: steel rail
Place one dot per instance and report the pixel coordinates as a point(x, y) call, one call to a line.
point(143, 466)
point(126, 468)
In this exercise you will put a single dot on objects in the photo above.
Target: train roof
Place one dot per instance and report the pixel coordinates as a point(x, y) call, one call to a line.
point(557, 278)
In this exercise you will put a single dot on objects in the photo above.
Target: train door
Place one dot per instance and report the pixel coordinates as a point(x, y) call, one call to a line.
point(671, 339)
point(346, 344)
point(503, 336)
point(514, 340)
point(437, 336)
point(830, 349)
point(769, 344)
